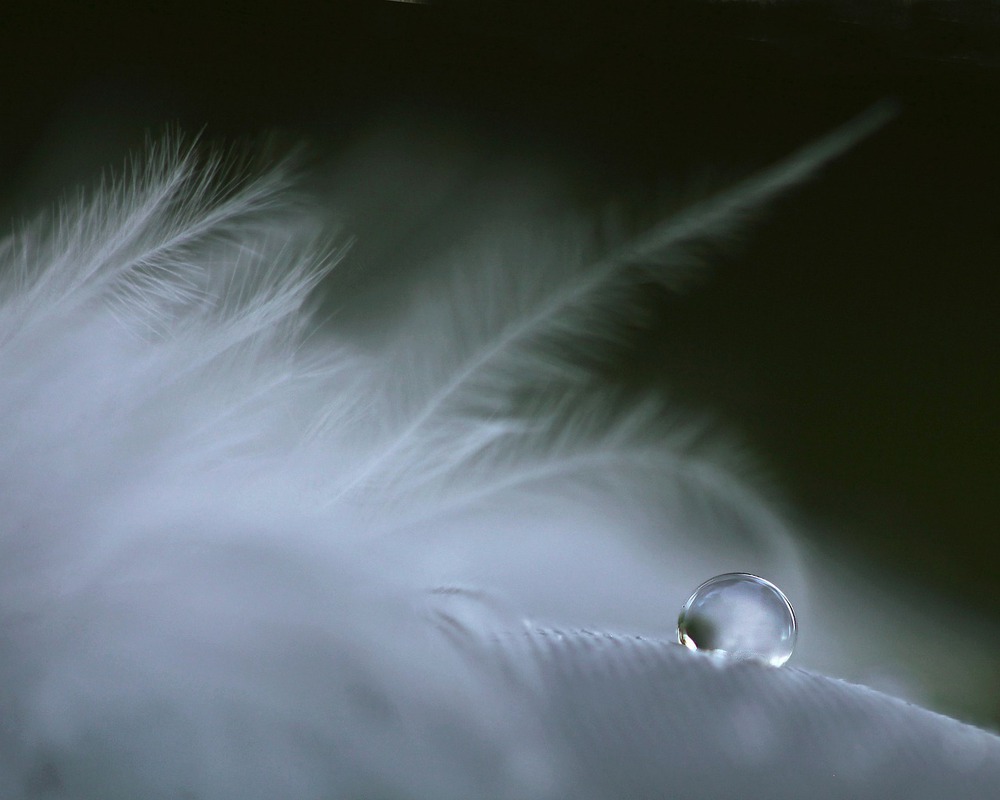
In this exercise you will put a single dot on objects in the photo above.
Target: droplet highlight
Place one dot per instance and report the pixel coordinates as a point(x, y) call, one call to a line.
point(739, 614)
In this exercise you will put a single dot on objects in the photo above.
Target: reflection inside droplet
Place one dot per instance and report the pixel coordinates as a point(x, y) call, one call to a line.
point(739, 614)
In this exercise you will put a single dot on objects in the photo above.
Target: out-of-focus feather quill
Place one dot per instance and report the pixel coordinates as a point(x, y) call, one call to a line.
point(514, 310)
point(221, 524)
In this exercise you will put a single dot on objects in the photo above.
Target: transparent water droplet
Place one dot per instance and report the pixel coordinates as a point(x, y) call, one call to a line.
point(739, 614)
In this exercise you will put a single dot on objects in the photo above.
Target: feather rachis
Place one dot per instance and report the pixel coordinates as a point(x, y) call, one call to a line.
point(580, 304)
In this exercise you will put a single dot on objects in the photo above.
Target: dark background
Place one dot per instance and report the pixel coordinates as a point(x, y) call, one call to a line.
point(852, 339)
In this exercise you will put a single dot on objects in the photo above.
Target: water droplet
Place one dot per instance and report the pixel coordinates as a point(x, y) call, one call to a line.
point(739, 614)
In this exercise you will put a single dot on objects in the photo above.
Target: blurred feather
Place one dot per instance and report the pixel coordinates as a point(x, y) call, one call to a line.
point(244, 556)
point(518, 309)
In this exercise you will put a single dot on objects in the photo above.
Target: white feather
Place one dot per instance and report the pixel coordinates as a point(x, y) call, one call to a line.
point(222, 523)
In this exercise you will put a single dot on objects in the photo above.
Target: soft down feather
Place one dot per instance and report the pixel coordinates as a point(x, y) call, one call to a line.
point(235, 543)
